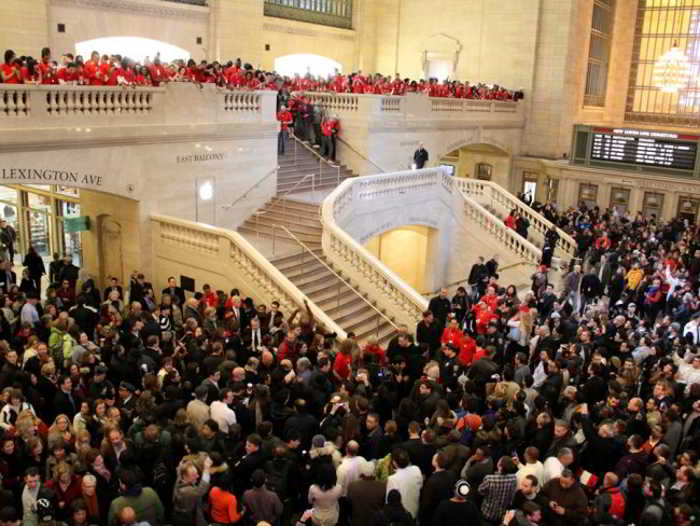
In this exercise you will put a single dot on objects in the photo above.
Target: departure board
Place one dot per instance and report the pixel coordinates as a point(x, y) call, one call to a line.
point(644, 148)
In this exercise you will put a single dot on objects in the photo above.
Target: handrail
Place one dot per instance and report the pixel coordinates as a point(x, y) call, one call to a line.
point(534, 251)
point(253, 258)
point(566, 242)
point(303, 245)
point(463, 280)
point(362, 156)
point(253, 187)
point(314, 152)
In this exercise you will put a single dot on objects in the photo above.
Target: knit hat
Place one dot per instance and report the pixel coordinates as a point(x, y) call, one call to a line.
point(318, 441)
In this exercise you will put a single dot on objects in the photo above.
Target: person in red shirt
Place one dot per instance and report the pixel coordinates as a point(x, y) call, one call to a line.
point(67, 75)
point(341, 365)
point(46, 67)
point(467, 348)
point(452, 334)
point(285, 118)
point(288, 349)
point(603, 243)
point(326, 138)
point(373, 352)
point(210, 297)
point(11, 72)
point(30, 73)
point(358, 84)
point(91, 70)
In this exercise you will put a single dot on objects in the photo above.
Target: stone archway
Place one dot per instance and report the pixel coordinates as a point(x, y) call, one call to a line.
point(480, 160)
point(110, 253)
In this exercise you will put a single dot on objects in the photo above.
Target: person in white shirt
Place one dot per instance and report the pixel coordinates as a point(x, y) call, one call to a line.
point(407, 479)
point(553, 466)
point(221, 411)
point(693, 328)
point(351, 466)
point(688, 373)
point(29, 314)
point(532, 466)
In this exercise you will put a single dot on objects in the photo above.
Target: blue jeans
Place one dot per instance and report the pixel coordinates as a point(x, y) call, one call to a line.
point(282, 138)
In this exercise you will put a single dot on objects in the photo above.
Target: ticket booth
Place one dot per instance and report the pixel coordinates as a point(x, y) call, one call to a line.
point(688, 208)
point(620, 200)
point(653, 205)
point(588, 194)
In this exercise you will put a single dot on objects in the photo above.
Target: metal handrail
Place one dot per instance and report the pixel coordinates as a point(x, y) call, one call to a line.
point(463, 280)
point(365, 158)
point(253, 187)
point(303, 245)
point(321, 159)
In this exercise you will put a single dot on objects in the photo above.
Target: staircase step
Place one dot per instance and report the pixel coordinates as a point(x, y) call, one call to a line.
point(320, 286)
point(386, 333)
point(312, 278)
point(294, 261)
point(306, 187)
point(297, 228)
point(261, 226)
point(296, 205)
point(285, 217)
point(324, 176)
point(330, 300)
point(251, 232)
point(348, 304)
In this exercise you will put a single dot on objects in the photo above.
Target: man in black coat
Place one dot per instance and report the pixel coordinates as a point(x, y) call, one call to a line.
point(114, 285)
point(7, 277)
point(440, 306)
point(65, 402)
point(420, 157)
point(175, 292)
point(428, 331)
point(438, 487)
point(254, 458)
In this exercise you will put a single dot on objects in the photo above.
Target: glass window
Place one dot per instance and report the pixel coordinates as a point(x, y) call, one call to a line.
point(599, 52)
point(484, 171)
point(653, 205)
point(588, 194)
point(661, 24)
point(337, 13)
point(620, 199)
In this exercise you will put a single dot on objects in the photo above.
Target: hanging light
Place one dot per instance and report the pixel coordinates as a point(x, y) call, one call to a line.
point(671, 70)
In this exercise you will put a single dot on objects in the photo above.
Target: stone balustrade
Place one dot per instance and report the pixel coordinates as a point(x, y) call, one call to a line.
point(39, 106)
point(364, 195)
point(410, 106)
point(491, 194)
point(226, 260)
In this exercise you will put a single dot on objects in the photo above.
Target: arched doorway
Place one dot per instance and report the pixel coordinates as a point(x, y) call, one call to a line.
point(405, 251)
point(481, 161)
point(136, 48)
point(303, 63)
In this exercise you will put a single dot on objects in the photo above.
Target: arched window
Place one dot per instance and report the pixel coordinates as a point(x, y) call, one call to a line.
point(337, 13)
point(484, 171)
point(135, 48)
point(303, 63)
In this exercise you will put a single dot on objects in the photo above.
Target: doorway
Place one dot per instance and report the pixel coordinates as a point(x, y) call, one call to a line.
point(37, 213)
point(620, 200)
point(688, 208)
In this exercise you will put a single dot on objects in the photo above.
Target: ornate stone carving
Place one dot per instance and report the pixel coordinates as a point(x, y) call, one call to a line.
point(162, 9)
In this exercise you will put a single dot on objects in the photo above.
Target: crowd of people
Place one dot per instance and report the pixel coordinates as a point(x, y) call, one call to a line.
point(116, 70)
point(151, 405)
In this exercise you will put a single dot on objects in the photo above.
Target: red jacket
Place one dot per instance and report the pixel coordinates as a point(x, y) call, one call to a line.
point(285, 118)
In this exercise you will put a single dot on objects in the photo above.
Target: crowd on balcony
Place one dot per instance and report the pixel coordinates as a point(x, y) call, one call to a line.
point(115, 70)
point(144, 404)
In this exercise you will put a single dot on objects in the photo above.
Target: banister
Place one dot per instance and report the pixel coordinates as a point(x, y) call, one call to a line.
point(566, 242)
point(338, 276)
point(252, 187)
point(361, 156)
point(262, 265)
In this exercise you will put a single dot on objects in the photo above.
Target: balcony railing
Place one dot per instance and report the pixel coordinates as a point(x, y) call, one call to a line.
point(336, 13)
point(203, 3)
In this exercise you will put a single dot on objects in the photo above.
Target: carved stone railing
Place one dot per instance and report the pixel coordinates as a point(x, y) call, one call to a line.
point(209, 253)
point(411, 106)
point(491, 194)
point(360, 194)
point(48, 106)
